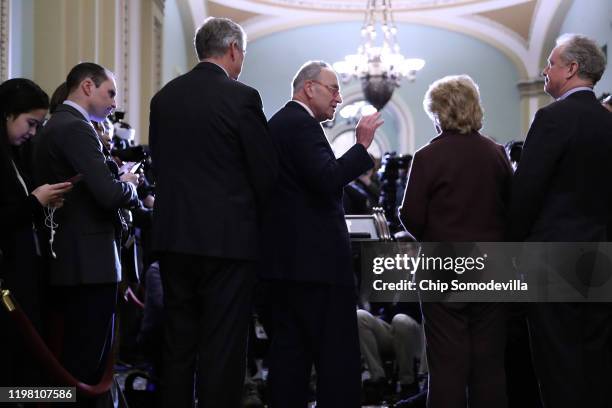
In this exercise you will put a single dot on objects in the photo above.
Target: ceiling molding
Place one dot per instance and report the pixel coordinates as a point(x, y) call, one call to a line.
point(188, 26)
point(198, 10)
point(279, 7)
point(517, 18)
point(5, 22)
point(237, 15)
point(492, 21)
point(480, 7)
point(506, 41)
point(359, 5)
point(548, 21)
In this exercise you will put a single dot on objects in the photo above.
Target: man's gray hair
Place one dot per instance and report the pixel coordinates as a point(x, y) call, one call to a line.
point(584, 51)
point(307, 72)
point(215, 35)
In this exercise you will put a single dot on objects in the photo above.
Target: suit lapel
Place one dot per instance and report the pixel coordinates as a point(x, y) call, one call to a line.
point(299, 109)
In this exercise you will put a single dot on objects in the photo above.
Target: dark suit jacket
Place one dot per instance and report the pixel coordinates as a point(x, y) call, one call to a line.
point(20, 266)
point(18, 212)
point(305, 234)
point(85, 238)
point(214, 162)
point(562, 189)
point(458, 189)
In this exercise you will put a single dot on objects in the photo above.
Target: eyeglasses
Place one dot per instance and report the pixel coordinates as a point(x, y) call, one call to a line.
point(333, 89)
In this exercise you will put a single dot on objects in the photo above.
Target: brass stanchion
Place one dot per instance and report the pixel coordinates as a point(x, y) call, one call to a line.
point(7, 298)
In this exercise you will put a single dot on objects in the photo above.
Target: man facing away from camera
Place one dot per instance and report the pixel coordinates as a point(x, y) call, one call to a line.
point(562, 193)
point(215, 165)
point(307, 251)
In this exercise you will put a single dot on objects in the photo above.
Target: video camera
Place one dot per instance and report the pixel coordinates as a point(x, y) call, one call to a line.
point(132, 153)
point(393, 174)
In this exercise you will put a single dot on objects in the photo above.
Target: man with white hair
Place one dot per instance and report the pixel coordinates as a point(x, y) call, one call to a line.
point(562, 193)
point(215, 166)
point(307, 251)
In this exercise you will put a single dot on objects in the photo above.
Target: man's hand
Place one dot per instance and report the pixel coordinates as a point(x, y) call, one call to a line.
point(149, 201)
point(131, 178)
point(364, 132)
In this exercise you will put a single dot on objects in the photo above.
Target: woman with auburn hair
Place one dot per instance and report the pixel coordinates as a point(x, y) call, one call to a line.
point(23, 106)
point(457, 191)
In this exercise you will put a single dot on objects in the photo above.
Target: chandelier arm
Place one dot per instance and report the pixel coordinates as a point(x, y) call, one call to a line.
point(380, 68)
point(385, 12)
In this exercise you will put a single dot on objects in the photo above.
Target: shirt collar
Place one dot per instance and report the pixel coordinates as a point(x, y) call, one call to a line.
point(573, 90)
point(78, 107)
point(303, 105)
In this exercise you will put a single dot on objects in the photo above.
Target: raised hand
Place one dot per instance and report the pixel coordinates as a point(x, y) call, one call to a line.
point(366, 128)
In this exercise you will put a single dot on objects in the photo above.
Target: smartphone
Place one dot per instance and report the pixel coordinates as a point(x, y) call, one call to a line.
point(136, 167)
point(75, 179)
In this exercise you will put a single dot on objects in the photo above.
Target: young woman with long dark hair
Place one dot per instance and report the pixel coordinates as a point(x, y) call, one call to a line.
point(23, 107)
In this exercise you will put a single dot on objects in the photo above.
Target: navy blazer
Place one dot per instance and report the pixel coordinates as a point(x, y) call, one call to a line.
point(85, 236)
point(562, 188)
point(305, 235)
point(214, 163)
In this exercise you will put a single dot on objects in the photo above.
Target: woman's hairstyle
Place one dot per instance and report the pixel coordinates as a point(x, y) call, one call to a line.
point(20, 95)
point(17, 96)
point(453, 103)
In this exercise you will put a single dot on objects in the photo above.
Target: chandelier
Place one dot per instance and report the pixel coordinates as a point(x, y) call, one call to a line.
point(379, 67)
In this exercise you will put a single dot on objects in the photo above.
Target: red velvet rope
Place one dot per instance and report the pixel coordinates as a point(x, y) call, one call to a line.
point(130, 296)
point(50, 362)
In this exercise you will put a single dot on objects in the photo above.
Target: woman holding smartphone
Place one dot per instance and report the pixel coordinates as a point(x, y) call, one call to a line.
point(23, 107)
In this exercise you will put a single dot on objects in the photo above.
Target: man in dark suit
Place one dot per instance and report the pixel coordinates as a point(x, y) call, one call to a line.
point(307, 251)
point(215, 166)
point(562, 193)
point(85, 266)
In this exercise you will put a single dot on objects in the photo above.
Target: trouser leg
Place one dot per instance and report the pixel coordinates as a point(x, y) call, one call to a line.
point(374, 337)
point(407, 346)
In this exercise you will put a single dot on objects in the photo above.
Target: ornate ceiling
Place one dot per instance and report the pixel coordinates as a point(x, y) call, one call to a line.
point(522, 29)
point(349, 5)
